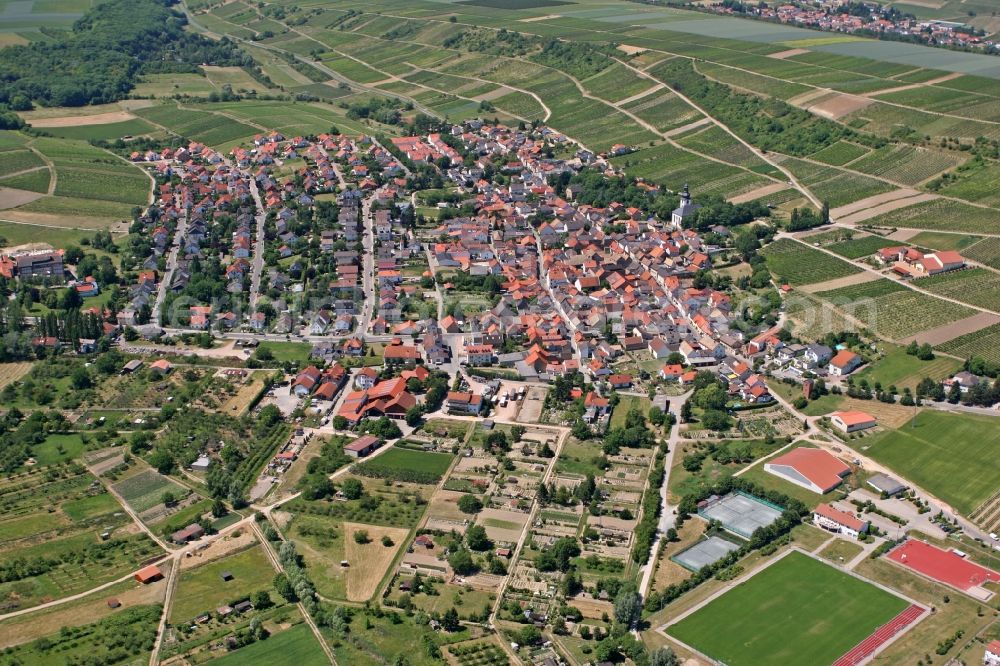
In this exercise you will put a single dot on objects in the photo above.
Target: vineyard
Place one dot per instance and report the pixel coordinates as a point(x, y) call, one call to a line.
point(976, 286)
point(840, 153)
point(905, 164)
point(792, 262)
point(984, 343)
point(893, 311)
point(939, 214)
point(986, 251)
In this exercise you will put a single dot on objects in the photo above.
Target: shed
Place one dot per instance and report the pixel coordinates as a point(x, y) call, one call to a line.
point(149, 574)
point(886, 484)
point(114, 603)
point(189, 533)
point(226, 576)
point(201, 464)
point(243, 606)
point(132, 366)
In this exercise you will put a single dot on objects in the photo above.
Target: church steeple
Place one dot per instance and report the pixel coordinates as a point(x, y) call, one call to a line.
point(685, 195)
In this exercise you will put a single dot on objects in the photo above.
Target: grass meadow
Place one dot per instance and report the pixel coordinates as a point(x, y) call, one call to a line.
point(952, 456)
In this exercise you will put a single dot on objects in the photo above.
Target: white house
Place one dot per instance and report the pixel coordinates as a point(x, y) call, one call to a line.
point(992, 656)
point(841, 522)
point(844, 363)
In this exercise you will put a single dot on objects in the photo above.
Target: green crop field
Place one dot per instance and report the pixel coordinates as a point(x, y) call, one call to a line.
point(860, 247)
point(196, 125)
point(296, 645)
point(797, 610)
point(400, 460)
point(984, 343)
point(937, 240)
point(15, 161)
point(33, 181)
point(798, 264)
point(104, 131)
point(892, 311)
point(143, 491)
point(952, 456)
point(976, 286)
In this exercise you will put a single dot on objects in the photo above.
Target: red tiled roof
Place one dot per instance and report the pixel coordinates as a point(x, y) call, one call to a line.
point(840, 517)
point(816, 465)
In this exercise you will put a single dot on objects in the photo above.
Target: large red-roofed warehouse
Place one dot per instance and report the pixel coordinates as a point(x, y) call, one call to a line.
point(812, 469)
point(944, 566)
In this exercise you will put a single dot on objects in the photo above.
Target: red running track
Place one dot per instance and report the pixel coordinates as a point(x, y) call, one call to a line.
point(942, 565)
point(867, 647)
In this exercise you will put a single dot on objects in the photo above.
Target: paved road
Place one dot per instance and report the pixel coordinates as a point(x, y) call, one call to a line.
point(257, 266)
point(168, 276)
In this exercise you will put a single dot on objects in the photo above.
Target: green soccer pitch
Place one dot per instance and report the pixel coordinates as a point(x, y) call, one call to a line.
point(797, 611)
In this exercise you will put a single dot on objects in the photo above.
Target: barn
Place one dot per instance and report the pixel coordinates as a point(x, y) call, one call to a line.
point(852, 421)
point(149, 574)
point(362, 446)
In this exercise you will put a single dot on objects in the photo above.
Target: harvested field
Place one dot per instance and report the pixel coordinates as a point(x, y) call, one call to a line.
point(858, 278)
point(12, 198)
point(11, 372)
point(75, 121)
point(890, 416)
point(370, 561)
point(947, 332)
point(631, 50)
point(758, 193)
point(590, 607)
point(878, 199)
point(839, 106)
point(444, 505)
point(781, 55)
point(61, 221)
point(501, 525)
point(886, 207)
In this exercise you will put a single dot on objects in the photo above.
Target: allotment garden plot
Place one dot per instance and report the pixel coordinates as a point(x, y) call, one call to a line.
point(60, 533)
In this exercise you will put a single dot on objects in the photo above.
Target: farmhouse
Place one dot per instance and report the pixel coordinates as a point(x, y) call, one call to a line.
point(844, 363)
point(841, 522)
point(148, 574)
point(461, 402)
point(812, 469)
point(852, 421)
point(362, 446)
point(389, 398)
